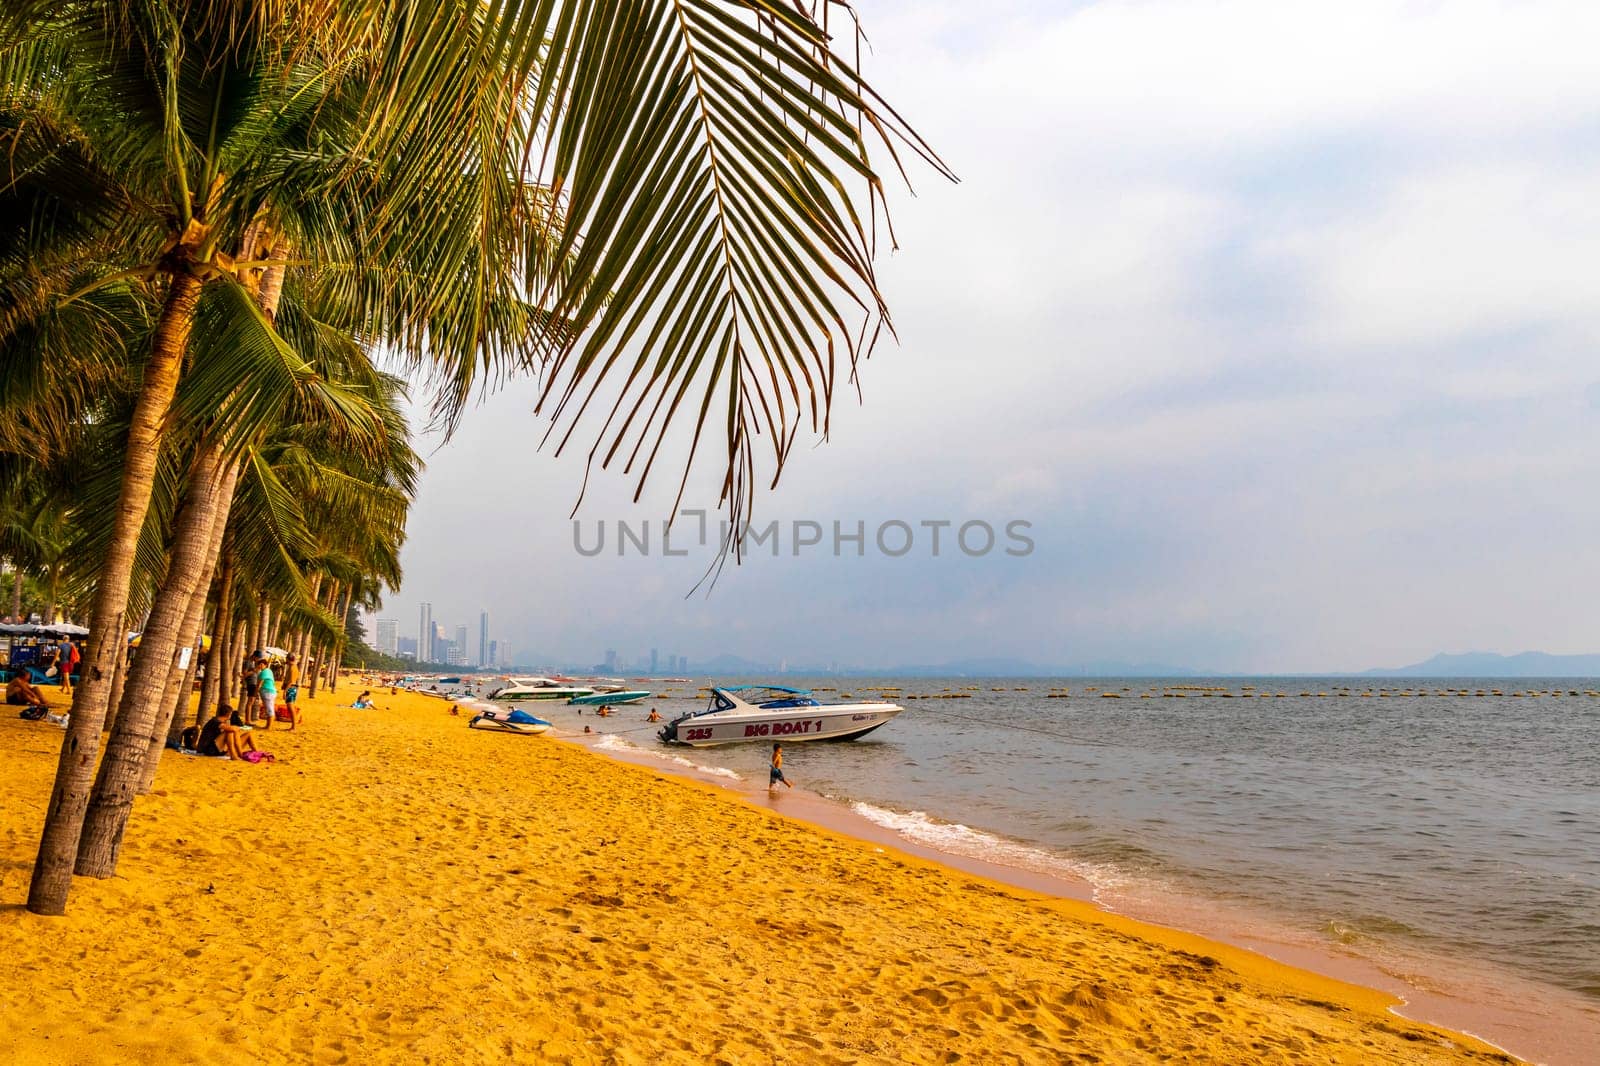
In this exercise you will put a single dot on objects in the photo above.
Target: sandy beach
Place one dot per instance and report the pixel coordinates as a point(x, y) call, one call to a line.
point(397, 887)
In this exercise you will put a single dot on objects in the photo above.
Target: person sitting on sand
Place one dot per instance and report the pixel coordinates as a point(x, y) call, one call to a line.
point(654, 717)
point(777, 769)
point(221, 737)
point(364, 701)
point(21, 694)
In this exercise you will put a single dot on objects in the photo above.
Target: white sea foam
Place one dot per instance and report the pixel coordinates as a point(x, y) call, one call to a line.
point(616, 743)
point(953, 838)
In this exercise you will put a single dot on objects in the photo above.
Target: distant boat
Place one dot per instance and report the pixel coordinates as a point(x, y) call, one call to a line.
point(742, 713)
point(537, 688)
point(615, 696)
point(508, 720)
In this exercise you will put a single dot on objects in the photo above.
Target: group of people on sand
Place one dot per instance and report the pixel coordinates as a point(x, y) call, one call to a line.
point(262, 686)
point(225, 734)
point(230, 732)
point(56, 661)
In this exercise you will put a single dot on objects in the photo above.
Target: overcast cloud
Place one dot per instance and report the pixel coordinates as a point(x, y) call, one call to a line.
point(1276, 320)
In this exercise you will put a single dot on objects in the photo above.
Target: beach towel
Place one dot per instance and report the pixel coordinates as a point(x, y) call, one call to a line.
point(259, 756)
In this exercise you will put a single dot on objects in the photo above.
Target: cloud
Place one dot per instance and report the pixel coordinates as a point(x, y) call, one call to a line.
point(1277, 320)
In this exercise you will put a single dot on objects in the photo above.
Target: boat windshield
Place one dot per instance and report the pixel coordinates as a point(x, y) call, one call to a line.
point(766, 697)
point(773, 697)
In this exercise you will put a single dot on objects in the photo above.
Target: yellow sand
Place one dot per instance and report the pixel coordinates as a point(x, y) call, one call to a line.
point(399, 888)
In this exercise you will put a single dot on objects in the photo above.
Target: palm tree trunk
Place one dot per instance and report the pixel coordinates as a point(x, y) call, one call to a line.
point(317, 678)
point(178, 688)
point(69, 795)
point(169, 720)
point(55, 584)
point(253, 637)
point(204, 653)
point(119, 681)
point(16, 594)
point(235, 661)
point(302, 645)
point(316, 674)
point(215, 689)
point(159, 646)
point(336, 653)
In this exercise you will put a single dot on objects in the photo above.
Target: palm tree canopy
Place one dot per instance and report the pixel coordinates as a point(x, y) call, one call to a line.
point(671, 204)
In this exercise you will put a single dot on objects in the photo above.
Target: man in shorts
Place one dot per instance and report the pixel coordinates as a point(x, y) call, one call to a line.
point(291, 690)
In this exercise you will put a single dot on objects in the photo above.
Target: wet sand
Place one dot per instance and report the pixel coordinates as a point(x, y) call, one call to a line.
point(1535, 1022)
point(397, 887)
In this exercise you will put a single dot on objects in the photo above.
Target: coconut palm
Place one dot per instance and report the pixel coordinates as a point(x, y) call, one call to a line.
point(712, 255)
point(270, 473)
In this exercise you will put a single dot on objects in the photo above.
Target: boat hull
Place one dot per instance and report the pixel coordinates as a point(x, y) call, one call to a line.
point(798, 726)
point(530, 695)
point(595, 699)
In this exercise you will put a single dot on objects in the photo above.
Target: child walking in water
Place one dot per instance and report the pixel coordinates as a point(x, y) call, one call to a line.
point(777, 769)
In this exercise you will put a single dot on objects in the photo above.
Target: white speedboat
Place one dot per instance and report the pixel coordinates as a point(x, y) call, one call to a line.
point(608, 694)
point(518, 689)
point(742, 713)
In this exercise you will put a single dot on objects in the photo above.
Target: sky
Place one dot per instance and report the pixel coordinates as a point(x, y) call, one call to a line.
point(1275, 322)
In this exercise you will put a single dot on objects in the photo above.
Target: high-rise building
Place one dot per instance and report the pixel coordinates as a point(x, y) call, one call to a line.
point(461, 642)
point(406, 648)
point(439, 645)
point(611, 660)
point(485, 656)
point(503, 653)
point(653, 666)
point(494, 654)
point(388, 636)
point(425, 633)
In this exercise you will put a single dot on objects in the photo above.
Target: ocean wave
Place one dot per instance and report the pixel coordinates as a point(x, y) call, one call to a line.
point(611, 742)
point(953, 838)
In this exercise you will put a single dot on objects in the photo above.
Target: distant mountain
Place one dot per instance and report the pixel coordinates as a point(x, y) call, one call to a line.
point(730, 664)
point(1491, 664)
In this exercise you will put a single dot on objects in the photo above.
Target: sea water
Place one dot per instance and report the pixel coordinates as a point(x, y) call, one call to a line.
point(1403, 822)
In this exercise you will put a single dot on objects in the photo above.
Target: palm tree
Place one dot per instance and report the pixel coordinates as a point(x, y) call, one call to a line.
point(694, 152)
point(361, 423)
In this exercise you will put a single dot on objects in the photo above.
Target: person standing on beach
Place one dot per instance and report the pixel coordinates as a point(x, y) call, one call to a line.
point(267, 686)
point(249, 687)
point(66, 662)
point(291, 690)
point(777, 770)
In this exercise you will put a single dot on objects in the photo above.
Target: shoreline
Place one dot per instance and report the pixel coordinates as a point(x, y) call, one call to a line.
point(397, 887)
point(1514, 1019)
